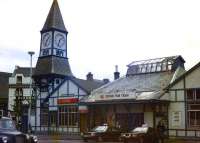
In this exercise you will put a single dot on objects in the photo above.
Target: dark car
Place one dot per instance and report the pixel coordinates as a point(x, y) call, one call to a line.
point(142, 134)
point(103, 133)
point(9, 133)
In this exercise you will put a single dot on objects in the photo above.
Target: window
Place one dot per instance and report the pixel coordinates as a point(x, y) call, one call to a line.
point(194, 119)
point(68, 115)
point(197, 94)
point(158, 67)
point(19, 79)
point(193, 111)
point(153, 68)
point(53, 118)
point(190, 94)
point(44, 116)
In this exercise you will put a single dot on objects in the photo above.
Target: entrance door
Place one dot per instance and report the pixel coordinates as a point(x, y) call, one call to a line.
point(129, 121)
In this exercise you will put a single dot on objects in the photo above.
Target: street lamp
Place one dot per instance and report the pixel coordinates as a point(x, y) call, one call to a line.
point(31, 53)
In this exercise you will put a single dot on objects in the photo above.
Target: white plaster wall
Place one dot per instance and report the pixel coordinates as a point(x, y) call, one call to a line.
point(81, 92)
point(166, 96)
point(26, 80)
point(180, 95)
point(12, 80)
point(26, 91)
point(177, 106)
point(63, 89)
point(44, 94)
point(172, 95)
point(11, 97)
point(178, 85)
point(193, 79)
point(148, 118)
point(73, 89)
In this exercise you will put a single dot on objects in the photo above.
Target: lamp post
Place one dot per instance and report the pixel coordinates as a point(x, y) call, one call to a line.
point(31, 53)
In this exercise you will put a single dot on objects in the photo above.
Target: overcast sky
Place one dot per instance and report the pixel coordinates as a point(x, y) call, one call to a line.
point(103, 33)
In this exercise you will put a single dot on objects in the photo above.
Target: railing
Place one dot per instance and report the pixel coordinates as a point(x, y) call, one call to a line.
point(185, 133)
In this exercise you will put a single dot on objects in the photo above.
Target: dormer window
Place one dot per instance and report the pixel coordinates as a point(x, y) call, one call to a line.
point(19, 79)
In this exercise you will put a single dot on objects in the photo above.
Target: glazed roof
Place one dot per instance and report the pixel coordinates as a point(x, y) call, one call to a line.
point(54, 18)
point(154, 65)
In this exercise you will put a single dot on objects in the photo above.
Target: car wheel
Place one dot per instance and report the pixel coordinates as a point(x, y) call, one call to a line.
point(99, 139)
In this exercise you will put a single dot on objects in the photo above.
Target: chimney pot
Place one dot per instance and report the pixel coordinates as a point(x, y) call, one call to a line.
point(89, 76)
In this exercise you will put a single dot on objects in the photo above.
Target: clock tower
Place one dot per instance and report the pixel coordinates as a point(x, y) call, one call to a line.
point(52, 65)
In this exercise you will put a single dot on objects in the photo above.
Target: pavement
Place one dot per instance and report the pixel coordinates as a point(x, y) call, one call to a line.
point(78, 139)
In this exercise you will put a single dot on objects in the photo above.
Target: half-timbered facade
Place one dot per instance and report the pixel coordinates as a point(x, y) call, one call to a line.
point(58, 90)
point(184, 107)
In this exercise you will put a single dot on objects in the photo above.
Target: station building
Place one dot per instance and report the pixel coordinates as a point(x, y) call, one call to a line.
point(136, 98)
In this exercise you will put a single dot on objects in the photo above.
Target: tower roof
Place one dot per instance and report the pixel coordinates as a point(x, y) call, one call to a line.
point(54, 18)
point(53, 65)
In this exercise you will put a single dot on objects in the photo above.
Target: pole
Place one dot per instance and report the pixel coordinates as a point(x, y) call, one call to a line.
point(31, 53)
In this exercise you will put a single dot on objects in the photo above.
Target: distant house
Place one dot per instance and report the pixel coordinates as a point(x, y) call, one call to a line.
point(4, 76)
point(136, 98)
point(20, 96)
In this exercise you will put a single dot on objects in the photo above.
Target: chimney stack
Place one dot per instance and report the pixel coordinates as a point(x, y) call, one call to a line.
point(116, 73)
point(89, 76)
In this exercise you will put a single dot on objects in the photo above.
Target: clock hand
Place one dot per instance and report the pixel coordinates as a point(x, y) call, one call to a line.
point(46, 42)
point(59, 42)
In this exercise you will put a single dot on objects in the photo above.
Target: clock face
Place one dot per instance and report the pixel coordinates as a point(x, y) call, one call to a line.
point(59, 40)
point(46, 40)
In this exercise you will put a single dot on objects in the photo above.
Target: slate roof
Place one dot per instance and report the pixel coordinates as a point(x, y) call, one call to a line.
point(139, 87)
point(22, 70)
point(54, 18)
point(147, 86)
point(88, 85)
point(53, 65)
point(4, 81)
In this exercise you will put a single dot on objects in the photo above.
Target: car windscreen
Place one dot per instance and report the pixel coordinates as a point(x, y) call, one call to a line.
point(140, 130)
point(7, 124)
point(100, 129)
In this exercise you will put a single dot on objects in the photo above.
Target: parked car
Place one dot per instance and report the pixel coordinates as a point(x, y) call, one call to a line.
point(9, 133)
point(142, 134)
point(103, 133)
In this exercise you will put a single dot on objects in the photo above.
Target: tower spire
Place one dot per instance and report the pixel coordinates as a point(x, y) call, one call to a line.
point(54, 18)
